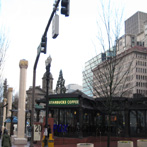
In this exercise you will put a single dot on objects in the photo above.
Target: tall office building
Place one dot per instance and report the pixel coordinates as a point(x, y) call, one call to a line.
point(132, 48)
point(129, 77)
point(135, 32)
point(135, 35)
point(89, 66)
point(88, 74)
point(135, 24)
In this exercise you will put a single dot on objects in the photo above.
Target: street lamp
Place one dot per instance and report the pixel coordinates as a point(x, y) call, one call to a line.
point(48, 65)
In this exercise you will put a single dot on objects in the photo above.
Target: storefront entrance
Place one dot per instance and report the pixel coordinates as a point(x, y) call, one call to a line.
point(68, 119)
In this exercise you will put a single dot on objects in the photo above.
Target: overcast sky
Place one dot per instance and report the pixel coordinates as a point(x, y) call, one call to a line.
point(25, 22)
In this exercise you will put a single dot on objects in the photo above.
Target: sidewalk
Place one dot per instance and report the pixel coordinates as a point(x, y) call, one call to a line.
point(17, 145)
point(72, 142)
point(98, 144)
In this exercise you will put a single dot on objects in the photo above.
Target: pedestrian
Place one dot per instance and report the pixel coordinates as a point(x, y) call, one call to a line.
point(6, 141)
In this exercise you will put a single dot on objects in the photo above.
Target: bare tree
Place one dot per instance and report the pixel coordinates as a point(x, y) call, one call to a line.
point(110, 74)
point(4, 44)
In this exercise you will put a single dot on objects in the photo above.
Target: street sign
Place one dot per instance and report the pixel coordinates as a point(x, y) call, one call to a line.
point(55, 26)
point(37, 132)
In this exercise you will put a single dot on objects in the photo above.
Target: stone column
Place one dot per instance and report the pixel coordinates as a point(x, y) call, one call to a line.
point(10, 92)
point(4, 113)
point(23, 64)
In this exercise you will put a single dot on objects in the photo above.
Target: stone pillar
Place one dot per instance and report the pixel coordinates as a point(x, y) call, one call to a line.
point(4, 113)
point(23, 64)
point(10, 92)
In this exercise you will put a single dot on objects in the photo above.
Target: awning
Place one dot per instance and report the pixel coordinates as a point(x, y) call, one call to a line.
point(15, 120)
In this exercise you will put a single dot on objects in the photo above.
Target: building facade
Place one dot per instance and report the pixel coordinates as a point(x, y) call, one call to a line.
point(90, 65)
point(135, 32)
point(135, 24)
point(127, 73)
point(77, 115)
point(40, 92)
point(135, 35)
point(88, 74)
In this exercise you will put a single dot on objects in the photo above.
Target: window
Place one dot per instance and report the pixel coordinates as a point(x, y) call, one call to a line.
point(120, 43)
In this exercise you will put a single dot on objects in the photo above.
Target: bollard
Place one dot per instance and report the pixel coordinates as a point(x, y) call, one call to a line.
point(42, 142)
point(50, 141)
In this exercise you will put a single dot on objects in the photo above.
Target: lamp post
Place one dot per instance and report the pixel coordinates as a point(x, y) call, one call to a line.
point(48, 65)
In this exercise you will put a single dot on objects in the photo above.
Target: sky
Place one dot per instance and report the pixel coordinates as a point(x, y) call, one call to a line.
point(25, 21)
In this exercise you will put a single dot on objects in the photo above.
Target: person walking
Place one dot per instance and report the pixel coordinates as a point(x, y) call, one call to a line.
point(6, 141)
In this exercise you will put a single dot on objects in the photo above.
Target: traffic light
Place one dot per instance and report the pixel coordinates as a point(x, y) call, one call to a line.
point(43, 44)
point(65, 7)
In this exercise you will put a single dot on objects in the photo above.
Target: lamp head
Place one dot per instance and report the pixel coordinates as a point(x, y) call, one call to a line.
point(48, 61)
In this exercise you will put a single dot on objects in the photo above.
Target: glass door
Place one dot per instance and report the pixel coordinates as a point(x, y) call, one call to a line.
point(137, 123)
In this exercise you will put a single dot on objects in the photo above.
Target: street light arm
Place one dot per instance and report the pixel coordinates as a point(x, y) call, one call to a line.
point(51, 17)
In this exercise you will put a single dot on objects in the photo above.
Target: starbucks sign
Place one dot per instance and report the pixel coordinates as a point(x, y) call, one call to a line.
point(64, 101)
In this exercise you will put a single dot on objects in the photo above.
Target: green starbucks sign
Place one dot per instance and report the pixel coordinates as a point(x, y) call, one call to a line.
point(64, 101)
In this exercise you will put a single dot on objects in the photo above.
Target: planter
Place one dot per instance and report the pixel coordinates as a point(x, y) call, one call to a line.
point(142, 143)
point(125, 144)
point(85, 145)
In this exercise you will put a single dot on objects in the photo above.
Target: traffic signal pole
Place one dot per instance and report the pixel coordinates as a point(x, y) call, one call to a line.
point(34, 72)
point(51, 17)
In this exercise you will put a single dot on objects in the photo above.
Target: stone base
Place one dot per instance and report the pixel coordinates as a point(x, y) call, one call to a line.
point(12, 138)
point(20, 141)
point(142, 143)
point(124, 143)
point(85, 145)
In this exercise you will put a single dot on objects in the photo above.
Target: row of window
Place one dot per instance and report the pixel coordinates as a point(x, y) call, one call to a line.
point(141, 70)
point(141, 77)
point(140, 91)
point(141, 63)
point(140, 43)
point(140, 84)
point(141, 56)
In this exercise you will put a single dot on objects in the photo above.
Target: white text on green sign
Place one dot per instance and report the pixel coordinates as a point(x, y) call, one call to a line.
point(68, 101)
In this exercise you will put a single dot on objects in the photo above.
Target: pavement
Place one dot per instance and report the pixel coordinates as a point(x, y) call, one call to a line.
point(17, 145)
point(99, 142)
point(62, 145)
